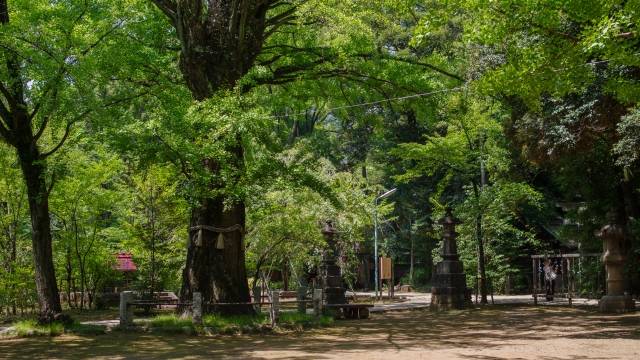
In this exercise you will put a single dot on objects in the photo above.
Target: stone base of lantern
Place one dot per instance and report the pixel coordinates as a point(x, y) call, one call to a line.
point(450, 287)
point(444, 299)
point(616, 304)
point(333, 291)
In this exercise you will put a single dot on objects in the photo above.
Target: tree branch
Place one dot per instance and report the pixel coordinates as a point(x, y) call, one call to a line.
point(100, 39)
point(5, 115)
point(50, 86)
point(168, 7)
point(183, 162)
point(67, 131)
point(412, 62)
point(7, 95)
point(82, 115)
point(4, 132)
point(37, 46)
point(283, 16)
point(43, 126)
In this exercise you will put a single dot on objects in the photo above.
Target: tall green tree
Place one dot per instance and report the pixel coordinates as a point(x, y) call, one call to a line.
point(245, 45)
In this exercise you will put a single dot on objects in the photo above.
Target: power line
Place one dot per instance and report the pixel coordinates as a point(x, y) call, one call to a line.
point(418, 95)
point(413, 96)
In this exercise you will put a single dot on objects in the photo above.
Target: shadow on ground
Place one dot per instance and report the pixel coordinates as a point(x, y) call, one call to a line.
point(422, 330)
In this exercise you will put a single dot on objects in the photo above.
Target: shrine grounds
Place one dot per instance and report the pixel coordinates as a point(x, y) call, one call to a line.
point(492, 332)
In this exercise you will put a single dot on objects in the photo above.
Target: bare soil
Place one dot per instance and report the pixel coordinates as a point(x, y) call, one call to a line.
point(496, 332)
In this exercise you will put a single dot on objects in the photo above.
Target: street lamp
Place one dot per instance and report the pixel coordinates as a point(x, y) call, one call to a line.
point(375, 232)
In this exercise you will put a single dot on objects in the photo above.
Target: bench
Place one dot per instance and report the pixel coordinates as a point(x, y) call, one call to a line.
point(352, 311)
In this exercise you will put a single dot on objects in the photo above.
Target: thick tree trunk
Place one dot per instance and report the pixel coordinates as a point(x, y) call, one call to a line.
point(33, 170)
point(218, 270)
point(219, 274)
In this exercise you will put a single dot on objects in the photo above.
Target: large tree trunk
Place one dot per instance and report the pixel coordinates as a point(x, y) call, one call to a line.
point(219, 274)
point(220, 42)
point(33, 170)
point(215, 270)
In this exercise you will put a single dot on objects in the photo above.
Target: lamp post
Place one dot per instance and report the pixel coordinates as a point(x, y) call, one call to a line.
point(375, 233)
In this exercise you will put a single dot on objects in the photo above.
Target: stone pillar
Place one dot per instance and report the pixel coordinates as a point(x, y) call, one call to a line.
point(330, 272)
point(126, 310)
point(257, 298)
point(302, 293)
point(275, 307)
point(616, 300)
point(196, 308)
point(449, 289)
point(317, 302)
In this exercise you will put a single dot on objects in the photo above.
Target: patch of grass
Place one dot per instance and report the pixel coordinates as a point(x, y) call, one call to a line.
point(260, 322)
point(86, 329)
point(296, 320)
point(25, 328)
point(171, 323)
point(232, 324)
point(29, 328)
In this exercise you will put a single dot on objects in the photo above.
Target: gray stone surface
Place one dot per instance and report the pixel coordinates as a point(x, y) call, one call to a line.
point(613, 237)
point(126, 310)
point(196, 308)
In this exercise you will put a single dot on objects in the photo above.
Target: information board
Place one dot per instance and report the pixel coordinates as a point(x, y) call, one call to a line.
point(385, 268)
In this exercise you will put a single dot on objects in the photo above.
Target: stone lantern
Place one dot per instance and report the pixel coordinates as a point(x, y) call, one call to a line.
point(616, 300)
point(330, 271)
point(449, 289)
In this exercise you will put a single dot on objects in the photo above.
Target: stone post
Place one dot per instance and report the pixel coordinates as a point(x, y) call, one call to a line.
point(302, 293)
point(616, 300)
point(275, 307)
point(126, 310)
point(317, 302)
point(330, 272)
point(196, 308)
point(257, 298)
point(449, 289)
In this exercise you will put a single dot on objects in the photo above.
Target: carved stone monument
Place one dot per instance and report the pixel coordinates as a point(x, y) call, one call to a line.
point(330, 272)
point(613, 258)
point(449, 289)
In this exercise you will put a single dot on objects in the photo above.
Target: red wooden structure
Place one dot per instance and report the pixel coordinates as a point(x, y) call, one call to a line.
point(124, 262)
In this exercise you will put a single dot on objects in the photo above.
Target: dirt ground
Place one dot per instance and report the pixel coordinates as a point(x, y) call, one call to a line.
point(498, 332)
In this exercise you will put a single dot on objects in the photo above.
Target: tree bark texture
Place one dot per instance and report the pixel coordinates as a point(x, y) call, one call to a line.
point(220, 40)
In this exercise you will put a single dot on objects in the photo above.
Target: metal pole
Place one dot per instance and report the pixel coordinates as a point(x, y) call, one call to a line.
point(375, 232)
point(375, 242)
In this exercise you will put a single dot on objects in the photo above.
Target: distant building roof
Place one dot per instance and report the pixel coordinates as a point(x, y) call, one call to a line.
point(124, 262)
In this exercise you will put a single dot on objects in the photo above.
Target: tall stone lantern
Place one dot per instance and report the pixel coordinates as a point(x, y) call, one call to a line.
point(616, 300)
point(330, 271)
point(449, 289)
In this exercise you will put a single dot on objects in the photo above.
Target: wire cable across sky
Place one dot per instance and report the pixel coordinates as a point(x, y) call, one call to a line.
point(413, 96)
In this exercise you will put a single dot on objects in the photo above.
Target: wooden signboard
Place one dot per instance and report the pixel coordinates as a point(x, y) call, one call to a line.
point(385, 268)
